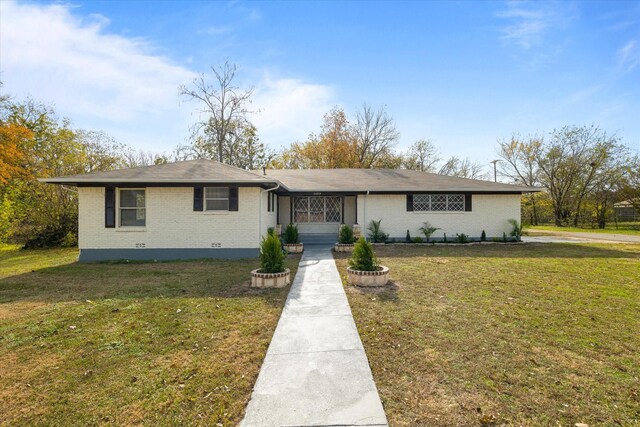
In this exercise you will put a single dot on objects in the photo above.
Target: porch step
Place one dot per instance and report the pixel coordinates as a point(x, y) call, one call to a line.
point(318, 239)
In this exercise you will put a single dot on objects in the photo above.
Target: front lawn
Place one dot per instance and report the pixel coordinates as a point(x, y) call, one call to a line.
point(154, 343)
point(534, 334)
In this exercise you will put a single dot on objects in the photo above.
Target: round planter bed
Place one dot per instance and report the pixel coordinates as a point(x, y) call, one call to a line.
point(270, 280)
point(343, 247)
point(379, 277)
point(293, 248)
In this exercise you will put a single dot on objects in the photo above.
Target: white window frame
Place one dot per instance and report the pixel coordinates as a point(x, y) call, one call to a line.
point(118, 211)
point(205, 198)
point(446, 210)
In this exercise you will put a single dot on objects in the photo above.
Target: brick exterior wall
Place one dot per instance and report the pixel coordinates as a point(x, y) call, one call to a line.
point(172, 223)
point(490, 212)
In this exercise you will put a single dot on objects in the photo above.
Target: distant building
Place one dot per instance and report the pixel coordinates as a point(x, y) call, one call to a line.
point(625, 211)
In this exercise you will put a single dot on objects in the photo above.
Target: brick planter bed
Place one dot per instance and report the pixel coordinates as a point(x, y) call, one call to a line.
point(379, 277)
point(343, 247)
point(295, 248)
point(270, 280)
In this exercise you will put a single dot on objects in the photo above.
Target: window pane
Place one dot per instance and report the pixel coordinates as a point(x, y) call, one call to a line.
point(334, 209)
point(421, 202)
point(456, 202)
point(438, 202)
point(217, 205)
point(301, 209)
point(132, 217)
point(216, 193)
point(131, 198)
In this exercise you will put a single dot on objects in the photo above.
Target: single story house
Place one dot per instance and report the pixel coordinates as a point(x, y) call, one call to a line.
point(203, 208)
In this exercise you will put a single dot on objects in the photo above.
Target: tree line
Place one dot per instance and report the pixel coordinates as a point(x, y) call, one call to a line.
point(583, 169)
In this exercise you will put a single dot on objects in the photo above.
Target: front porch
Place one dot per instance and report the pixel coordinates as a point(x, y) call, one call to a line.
point(317, 216)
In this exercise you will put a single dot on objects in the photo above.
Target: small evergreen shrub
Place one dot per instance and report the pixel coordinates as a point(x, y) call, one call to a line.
point(504, 237)
point(407, 238)
point(417, 239)
point(271, 256)
point(375, 232)
point(483, 236)
point(291, 234)
point(427, 229)
point(462, 238)
point(271, 230)
point(497, 239)
point(362, 257)
point(445, 238)
point(346, 235)
point(516, 230)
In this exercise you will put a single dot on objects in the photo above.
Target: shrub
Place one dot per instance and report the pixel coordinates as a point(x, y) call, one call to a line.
point(483, 236)
point(444, 240)
point(427, 229)
point(504, 237)
point(271, 256)
point(516, 230)
point(291, 234)
point(375, 232)
point(407, 238)
point(362, 257)
point(462, 238)
point(417, 239)
point(346, 235)
point(271, 230)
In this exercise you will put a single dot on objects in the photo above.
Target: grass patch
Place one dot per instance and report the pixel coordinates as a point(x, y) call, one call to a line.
point(535, 334)
point(632, 229)
point(154, 343)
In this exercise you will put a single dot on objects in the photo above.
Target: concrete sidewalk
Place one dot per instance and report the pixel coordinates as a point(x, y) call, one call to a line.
point(315, 372)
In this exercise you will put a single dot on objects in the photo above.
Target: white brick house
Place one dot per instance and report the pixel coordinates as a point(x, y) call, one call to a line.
point(203, 208)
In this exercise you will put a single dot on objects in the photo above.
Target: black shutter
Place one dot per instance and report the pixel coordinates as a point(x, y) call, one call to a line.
point(409, 202)
point(233, 198)
point(467, 202)
point(197, 198)
point(109, 207)
point(269, 202)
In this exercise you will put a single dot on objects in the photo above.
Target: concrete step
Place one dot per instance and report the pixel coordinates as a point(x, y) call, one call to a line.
point(318, 239)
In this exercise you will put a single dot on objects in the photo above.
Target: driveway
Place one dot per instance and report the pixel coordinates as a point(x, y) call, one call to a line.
point(548, 236)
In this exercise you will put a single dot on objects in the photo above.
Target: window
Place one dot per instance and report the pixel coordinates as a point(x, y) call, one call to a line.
point(271, 202)
point(317, 209)
point(132, 208)
point(216, 198)
point(438, 202)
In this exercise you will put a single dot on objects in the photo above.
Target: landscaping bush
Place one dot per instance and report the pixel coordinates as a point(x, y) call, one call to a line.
point(271, 230)
point(445, 238)
point(417, 239)
point(375, 232)
point(516, 230)
point(407, 238)
point(504, 237)
point(427, 229)
point(291, 234)
point(483, 236)
point(363, 258)
point(271, 256)
point(462, 238)
point(346, 235)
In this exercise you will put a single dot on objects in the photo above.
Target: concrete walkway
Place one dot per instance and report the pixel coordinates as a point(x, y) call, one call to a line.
point(315, 372)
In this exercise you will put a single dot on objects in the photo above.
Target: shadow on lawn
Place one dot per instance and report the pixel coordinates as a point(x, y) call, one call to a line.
point(180, 279)
point(524, 250)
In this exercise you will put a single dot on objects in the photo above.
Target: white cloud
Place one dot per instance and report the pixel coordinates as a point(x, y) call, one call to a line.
point(628, 56)
point(530, 22)
point(95, 77)
point(290, 109)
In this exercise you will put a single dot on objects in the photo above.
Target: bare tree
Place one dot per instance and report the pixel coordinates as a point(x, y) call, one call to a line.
point(462, 168)
point(375, 135)
point(422, 156)
point(223, 113)
point(519, 163)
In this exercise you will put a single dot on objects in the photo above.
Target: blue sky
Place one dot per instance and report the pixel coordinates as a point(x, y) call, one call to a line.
point(463, 74)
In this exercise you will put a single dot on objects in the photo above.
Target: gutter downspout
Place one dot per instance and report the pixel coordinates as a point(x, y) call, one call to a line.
point(260, 211)
point(364, 214)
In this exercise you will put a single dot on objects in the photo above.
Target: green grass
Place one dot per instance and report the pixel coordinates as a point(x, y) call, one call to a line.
point(536, 334)
point(633, 230)
point(119, 344)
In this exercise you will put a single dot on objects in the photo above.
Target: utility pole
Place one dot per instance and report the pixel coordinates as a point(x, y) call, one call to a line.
point(495, 172)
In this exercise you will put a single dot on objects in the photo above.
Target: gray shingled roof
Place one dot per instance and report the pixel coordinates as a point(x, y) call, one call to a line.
point(196, 171)
point(296, 180)
point(382, 180)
